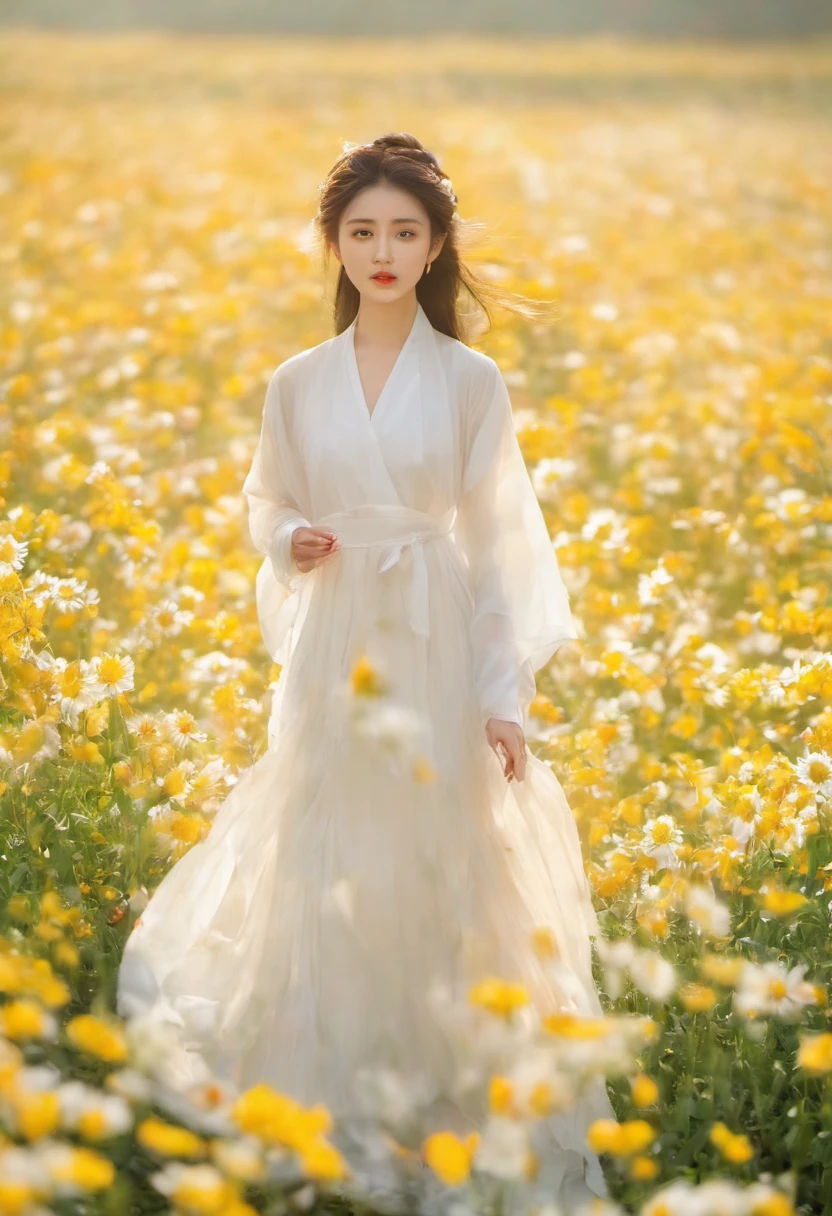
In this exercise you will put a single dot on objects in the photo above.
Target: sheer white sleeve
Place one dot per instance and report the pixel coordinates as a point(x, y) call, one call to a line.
point(273, 512)
point(521, 606)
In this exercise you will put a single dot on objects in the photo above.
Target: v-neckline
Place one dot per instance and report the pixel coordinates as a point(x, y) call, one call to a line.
point(352, 361)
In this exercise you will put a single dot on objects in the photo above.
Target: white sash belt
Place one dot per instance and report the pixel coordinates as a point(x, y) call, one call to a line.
point(393, 528)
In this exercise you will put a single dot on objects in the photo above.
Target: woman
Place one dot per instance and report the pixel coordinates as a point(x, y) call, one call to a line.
point(398, 834)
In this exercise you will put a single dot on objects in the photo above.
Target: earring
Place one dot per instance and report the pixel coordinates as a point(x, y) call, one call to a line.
point(427, 267)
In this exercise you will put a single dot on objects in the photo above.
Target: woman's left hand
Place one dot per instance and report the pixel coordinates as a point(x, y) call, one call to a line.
point(509, 738)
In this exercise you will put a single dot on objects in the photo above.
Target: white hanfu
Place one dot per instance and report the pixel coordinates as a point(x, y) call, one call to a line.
point(376, 848)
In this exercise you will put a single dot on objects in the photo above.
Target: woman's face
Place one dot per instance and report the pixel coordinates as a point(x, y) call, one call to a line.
point(385, 228)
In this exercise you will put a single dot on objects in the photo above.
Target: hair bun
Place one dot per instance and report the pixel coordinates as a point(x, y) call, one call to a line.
point(399, 139)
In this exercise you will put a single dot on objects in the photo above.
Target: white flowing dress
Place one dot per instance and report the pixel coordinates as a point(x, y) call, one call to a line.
point(375, 847)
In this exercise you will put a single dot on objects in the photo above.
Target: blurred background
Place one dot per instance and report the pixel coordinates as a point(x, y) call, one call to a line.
point(707, 18)
point(664, 172)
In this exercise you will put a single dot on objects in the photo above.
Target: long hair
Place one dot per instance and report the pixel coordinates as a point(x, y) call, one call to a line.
point(401, 160)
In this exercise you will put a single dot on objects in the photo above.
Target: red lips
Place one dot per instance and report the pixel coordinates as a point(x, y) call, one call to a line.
point(384, 276)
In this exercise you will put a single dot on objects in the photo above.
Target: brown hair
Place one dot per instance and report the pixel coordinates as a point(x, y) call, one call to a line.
point(400, 159)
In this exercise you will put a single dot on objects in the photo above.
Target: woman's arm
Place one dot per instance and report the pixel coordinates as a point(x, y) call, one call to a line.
point(273, 512)
point(521, 607)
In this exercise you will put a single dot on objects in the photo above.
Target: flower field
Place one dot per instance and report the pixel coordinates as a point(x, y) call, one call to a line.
point(158, 264)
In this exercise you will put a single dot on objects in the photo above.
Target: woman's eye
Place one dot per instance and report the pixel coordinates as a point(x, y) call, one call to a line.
point(360, 231)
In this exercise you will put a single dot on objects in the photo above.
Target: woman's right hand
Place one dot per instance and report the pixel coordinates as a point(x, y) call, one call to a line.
point(311, 546)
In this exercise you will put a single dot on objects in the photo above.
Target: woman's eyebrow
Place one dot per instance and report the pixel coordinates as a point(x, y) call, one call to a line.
point(403, 219)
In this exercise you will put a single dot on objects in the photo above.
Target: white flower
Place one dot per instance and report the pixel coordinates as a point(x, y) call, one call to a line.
point(815, 770)
point(385, 1094)
point(241, 1157)
point(181, 728)
point(742, 830)
point(535, 1068)
point(78, 1100)
point(653, 974)
point(796, 833)
point(661, 839)
point(604, 311)
point(195, 1177)
point(130, 1084)
point(13, 554)
point(710, 914)
point(111, 675)
point(770, 988)
point(616, 957)
point(504, 1148)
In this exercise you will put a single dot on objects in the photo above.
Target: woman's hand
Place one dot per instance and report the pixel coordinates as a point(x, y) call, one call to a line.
point(311, 546)
point(508, 737)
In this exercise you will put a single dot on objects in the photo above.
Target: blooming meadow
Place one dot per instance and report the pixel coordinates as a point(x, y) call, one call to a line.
point(158, 264)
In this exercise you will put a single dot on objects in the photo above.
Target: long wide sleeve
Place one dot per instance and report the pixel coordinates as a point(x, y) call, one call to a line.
point(521, 606)
point(273, 512)
point(272, 488)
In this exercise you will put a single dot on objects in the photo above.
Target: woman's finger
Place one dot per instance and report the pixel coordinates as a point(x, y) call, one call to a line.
point(518, 762)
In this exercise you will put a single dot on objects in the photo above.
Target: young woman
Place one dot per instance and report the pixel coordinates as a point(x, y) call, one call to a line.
point(397, 837)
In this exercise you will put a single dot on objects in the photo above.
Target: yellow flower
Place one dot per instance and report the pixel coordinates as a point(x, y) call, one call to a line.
point(22, 1019)
point(697, 998)
point(450, 1157)
point(815, 1053)
point(643, 1169)
point(209, 1197)
point(498, 996)
point(50, 989)
point(320, 1159)
point(169, 1140)
point(18, 907)
point(501, 1095)
point(364, 679)
point(12, 973)
point(86, 1169)
point(174, 782)
point(544, 943)
point(38, 1114)
point(773, 1205)
point(572, 1026)
point(52, 908)
point(47, 932)
point(278, 1118)
point(780, 901)
point(722, 969)
point(66, 955)
point(16, 1198)
point(644, 1089)
point(637, 1133)
point(685, 726)
point(620, 1139)
point(735, 1148)
point(92, 1124)
point(188, 828)
point(654, 921)
point(97, 1038)
point(541, 1099)
point(85, 753)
